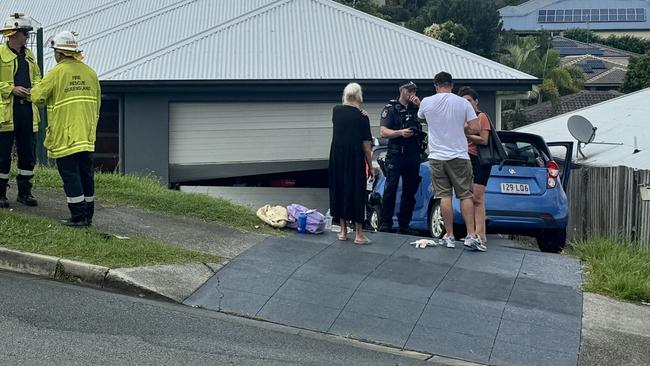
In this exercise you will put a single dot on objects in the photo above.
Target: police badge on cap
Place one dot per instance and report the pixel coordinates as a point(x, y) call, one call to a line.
point(408, 84)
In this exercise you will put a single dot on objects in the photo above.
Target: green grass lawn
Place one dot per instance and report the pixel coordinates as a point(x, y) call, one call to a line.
point(37, 235)
point(615, 268)
point(148, 193)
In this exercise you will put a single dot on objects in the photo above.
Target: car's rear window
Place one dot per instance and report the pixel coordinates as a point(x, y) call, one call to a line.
point(524, 153)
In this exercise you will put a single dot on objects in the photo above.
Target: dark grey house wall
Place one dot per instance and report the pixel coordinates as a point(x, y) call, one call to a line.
point(487, 103)
point(145, 135)
point(145, 125)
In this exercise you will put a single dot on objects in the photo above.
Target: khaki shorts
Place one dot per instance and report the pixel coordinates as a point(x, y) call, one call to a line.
point(456, 173)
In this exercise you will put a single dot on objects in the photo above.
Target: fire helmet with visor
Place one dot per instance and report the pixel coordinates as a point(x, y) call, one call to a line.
point(16, 22)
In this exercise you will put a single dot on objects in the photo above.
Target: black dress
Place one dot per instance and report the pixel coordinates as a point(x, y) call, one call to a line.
point(347, 165)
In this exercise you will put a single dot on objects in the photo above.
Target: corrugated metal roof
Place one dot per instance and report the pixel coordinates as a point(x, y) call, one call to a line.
point(251, 40)
point(527, 7)
point(619, 120)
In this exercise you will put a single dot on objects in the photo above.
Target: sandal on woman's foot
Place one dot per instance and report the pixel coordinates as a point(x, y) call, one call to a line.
point(342, 237)
point(362, 242)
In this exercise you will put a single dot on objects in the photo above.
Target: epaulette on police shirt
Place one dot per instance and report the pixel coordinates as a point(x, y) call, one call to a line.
point(391, 103)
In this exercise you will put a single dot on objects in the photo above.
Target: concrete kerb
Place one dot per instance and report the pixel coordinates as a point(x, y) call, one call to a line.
point(36, 264)
point(72, 271)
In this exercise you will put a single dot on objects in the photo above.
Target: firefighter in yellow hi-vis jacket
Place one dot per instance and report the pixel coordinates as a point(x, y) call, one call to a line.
point(18, 117)
point(71, 91)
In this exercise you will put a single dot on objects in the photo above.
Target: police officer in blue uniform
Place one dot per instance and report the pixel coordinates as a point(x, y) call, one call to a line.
point(399, 123)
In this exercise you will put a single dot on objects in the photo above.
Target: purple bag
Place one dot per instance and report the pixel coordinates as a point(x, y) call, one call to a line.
point(315, 219)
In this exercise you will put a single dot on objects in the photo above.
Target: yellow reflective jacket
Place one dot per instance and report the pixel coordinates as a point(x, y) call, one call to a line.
point(71, 91)
point(8, 67)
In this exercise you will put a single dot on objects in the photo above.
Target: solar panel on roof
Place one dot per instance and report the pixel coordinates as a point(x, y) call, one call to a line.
point(563, 43)
point(574, 51)
point(596, 64)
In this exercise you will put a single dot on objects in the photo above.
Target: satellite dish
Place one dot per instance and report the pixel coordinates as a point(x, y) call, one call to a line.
point(581, 129)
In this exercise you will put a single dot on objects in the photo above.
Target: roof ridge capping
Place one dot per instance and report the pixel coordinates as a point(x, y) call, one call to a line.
point(574, 96)
point(605, 73)
point(333, 5)
point(603, 59)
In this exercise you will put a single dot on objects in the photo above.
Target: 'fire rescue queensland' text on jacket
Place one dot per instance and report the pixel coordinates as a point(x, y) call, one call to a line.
point(71, 90)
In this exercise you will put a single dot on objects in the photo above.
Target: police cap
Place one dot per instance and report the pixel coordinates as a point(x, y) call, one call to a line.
point(408, 84)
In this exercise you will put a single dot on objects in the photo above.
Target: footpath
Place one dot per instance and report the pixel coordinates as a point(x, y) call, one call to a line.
point(508, 306)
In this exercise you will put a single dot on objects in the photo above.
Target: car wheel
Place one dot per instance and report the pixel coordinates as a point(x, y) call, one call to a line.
point(436, 224)
point(375, 214)
point(552, 241)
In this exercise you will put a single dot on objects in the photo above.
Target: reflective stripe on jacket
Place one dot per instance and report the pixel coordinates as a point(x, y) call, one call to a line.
point(8, 68)
point(71, 91)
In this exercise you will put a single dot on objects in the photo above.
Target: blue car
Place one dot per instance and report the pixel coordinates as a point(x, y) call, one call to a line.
point(525, 194)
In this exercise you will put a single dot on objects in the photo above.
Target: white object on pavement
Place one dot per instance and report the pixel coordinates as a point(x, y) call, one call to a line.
point(423, 243)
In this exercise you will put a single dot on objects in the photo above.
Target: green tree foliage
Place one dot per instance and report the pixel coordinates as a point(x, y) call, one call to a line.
point(533, 56)
point(528, 56)
point(549, 92)
point(449, 32)
point(513, 118)
point(628, 43)
point(638, 74)
point(582, 35)
point(625, 42)
point(401, 11)
point(502, 3)
point(566, 80)
point(366, 6)
point(480, 18)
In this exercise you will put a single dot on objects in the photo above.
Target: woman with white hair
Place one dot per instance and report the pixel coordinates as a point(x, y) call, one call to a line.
point(349, 153)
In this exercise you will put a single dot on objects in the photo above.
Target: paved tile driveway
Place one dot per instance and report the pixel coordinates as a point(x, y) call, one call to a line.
point(506, 306)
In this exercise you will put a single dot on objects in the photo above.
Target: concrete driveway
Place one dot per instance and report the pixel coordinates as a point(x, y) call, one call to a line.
point(507, 306)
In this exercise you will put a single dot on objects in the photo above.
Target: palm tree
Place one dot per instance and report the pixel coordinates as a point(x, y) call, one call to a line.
point(520, 54)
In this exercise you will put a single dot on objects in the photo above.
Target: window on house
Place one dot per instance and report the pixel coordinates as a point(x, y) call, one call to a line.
point(550, 16)
point(604, 15)
point(640, 15)
point(595, 15)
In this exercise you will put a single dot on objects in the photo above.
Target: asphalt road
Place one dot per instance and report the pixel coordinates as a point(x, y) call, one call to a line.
point(43, 322)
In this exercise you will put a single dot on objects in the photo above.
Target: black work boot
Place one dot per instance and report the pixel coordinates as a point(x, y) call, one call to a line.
point(25, 193)
point(90, 211)
point(70, 223)
point(4, 203)
point(77, 215)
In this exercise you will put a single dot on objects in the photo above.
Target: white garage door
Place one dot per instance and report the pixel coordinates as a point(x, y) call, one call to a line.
point(226, 133)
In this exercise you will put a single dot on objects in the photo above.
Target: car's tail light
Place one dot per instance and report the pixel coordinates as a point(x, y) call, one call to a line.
point(553, 172)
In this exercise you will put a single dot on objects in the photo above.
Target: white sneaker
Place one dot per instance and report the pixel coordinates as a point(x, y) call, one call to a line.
point(449, 241)
point(475, 244)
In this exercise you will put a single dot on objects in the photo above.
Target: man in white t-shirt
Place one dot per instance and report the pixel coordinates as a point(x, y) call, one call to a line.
point(449, 117)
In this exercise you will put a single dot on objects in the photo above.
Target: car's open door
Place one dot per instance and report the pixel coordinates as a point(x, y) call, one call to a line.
point(566, 164)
